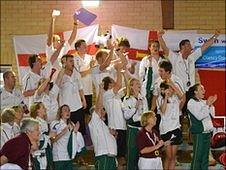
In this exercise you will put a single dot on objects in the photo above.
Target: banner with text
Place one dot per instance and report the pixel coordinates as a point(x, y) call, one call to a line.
point(214, 56)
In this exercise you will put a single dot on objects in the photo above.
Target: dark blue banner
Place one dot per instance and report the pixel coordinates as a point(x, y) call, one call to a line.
point(213, 57)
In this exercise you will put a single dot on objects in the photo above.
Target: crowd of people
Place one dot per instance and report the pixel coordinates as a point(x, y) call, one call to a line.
point(136, 113)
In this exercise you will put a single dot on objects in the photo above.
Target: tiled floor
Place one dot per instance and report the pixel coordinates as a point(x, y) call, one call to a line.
point(184, 166)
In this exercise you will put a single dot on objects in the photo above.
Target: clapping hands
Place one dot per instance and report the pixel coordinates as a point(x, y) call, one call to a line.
point(211, 100)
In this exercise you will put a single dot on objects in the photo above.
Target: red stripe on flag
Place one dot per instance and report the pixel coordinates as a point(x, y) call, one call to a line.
point(133, 53)
point(23, 58)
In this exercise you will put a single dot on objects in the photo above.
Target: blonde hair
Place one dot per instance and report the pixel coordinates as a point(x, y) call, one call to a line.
point(56, 37)
point(8, 115)
point(17, 108)
point(145, 116)
point(34, 109)
point(129, 90)
point(100, 53)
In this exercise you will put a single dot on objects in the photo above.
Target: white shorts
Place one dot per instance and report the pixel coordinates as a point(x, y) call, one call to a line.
point(150, 163)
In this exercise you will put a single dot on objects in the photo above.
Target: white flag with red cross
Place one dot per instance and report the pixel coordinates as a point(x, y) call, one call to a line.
point(139, 39)
point(26, 45)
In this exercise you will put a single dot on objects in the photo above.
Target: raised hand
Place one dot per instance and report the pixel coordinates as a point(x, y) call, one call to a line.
point(118, 66)
point(217, 32)
point(76, 126)
point(167, 93)
point(119, 52)
point(101, 86)
point(211, 100)
point(75, 19)
point(160, 33)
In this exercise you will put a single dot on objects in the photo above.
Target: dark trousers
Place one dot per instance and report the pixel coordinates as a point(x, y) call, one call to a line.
point(105, 162)
point(87, 138)
point(132, 150)
point(89, 103)
point(156, 127)
point(121, 142)
point(201, 146)
point(79, 115)
point(149, 97)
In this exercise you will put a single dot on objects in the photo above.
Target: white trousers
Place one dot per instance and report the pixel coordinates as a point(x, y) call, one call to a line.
point(42, 162)
point(150, 163)
point(10, 166)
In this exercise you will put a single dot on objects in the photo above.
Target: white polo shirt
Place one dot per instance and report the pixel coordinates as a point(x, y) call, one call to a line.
point(50, 50)
point(60, 152)
point(69, 91)
point(176, 80)
point(202, 112)
point(129, 107)
point(83, 64)
point(50, 102)
point(180, 66)
point(10, 99)
point(97, 75)
point(16, 129)
point(43, 128)
point(30, 81)
point(103, 141)
point(143, 72)
point(113, 106)
point(170, 119)
point(7, 133)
